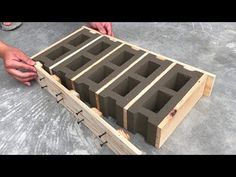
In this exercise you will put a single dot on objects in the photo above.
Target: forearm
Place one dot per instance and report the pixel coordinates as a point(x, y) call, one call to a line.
point(3, 48)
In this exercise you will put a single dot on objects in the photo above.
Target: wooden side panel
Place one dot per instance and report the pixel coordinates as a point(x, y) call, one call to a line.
point(168, 125)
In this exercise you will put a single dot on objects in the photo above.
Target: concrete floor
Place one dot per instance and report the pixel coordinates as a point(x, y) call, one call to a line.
point(32, 123)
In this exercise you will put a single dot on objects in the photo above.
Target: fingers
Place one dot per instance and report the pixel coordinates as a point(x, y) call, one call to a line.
point(23, 80)
point(20, 65)
point(101, 28)
point(20, 74)
point(108, 27)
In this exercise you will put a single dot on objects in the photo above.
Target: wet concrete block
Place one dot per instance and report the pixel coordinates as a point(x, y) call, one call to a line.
point(83, 59)
point(65, 48)
point(116, 96)
point(88, 84)
point(146, 113)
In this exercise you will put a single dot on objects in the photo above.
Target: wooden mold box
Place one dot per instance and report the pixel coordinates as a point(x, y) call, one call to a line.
point(148, 93)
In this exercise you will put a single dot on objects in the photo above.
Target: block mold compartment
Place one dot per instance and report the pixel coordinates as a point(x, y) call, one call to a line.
point(122, 58)
point(177, 81)
point(99, 48)
point(126, 86)
point(157, 101)
point(101, 74)
point(78, 40)
point(147, 69)
point(58, 53)
point(78, 63)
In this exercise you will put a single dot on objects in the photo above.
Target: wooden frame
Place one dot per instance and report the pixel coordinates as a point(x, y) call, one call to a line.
point(114, 139)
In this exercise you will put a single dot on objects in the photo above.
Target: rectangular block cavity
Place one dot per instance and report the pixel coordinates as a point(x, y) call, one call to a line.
point(177, 81)
point(98, 76)
point(101, 74)
point(147, 69)
point(65, 48)
point(57, 53)
point(99, 48)
point(126, 86)
point(78, 63)
point(159, 101)
point(122, 58)
point(78, 40)
point(113, 99)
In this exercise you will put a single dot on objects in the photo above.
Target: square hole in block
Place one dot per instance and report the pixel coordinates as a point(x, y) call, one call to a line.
point(79, 40)
point(99, 48)
point(122, 58)
point(157, 101)
point(78, 63)
point(126, 86)
point(177, 81)
point(101, 74)
point(57, 53)
point(147, 69)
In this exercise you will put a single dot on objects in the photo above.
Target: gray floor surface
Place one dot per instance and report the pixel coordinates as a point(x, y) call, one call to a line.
point(32, 123)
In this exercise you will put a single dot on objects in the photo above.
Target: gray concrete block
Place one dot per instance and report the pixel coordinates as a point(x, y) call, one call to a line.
point(146, 113)
point(88, 84)
point(83, 59)
point(114, 98)
point(65, 48)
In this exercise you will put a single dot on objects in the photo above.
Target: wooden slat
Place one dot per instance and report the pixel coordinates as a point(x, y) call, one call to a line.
point(116, 142)
point(209, 85)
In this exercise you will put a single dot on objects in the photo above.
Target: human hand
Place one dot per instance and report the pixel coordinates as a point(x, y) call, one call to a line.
point(102, 27)
point(18, 65)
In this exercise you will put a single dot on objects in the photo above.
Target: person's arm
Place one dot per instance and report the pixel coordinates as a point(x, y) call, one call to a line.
point(102, 27)
point(18, 64)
